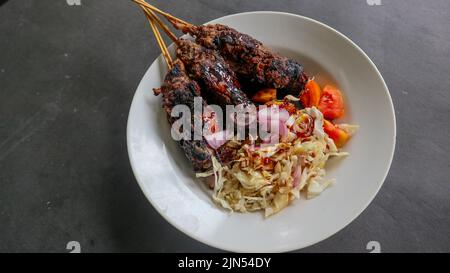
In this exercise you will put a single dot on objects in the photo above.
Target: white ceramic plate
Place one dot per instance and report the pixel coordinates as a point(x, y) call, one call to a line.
point(167, 180)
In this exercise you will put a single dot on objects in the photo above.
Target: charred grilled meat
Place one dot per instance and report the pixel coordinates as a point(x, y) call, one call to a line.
point(178, 88)
point(248, 57)
point(208, 67)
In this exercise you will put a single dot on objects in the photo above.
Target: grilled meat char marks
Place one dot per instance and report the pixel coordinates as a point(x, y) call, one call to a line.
point(208, 67)
point(249, 58)
point(179, 89)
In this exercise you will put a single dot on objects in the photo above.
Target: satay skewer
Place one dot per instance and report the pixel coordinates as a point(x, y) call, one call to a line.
point(178, 89)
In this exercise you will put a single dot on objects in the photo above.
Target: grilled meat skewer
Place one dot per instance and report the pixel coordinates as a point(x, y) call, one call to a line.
point(248, 57)
point(178, 88)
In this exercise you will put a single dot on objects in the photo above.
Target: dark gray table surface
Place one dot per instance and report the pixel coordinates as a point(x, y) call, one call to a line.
point(67, 78)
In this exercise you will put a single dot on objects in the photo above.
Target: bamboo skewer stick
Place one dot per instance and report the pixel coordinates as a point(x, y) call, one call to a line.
point(159, 40)
point(160, 23)
point(153, 19)
point(165, 14)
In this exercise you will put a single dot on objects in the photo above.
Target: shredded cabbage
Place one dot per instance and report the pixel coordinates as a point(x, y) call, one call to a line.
point(262, 178)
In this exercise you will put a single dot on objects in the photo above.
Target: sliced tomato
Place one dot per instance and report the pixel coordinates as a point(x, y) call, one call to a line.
point(310, 96)
point(339, 136)
point(331, 103)
point(265, 95)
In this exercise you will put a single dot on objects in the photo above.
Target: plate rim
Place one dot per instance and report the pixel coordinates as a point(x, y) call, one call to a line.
point(299, 246)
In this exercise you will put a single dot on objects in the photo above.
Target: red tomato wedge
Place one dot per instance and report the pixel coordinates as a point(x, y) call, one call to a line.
point(310, 96)
point(339, 136)
point(331, 103)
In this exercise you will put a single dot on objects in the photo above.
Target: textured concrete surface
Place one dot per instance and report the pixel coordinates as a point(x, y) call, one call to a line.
point(67, 77)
